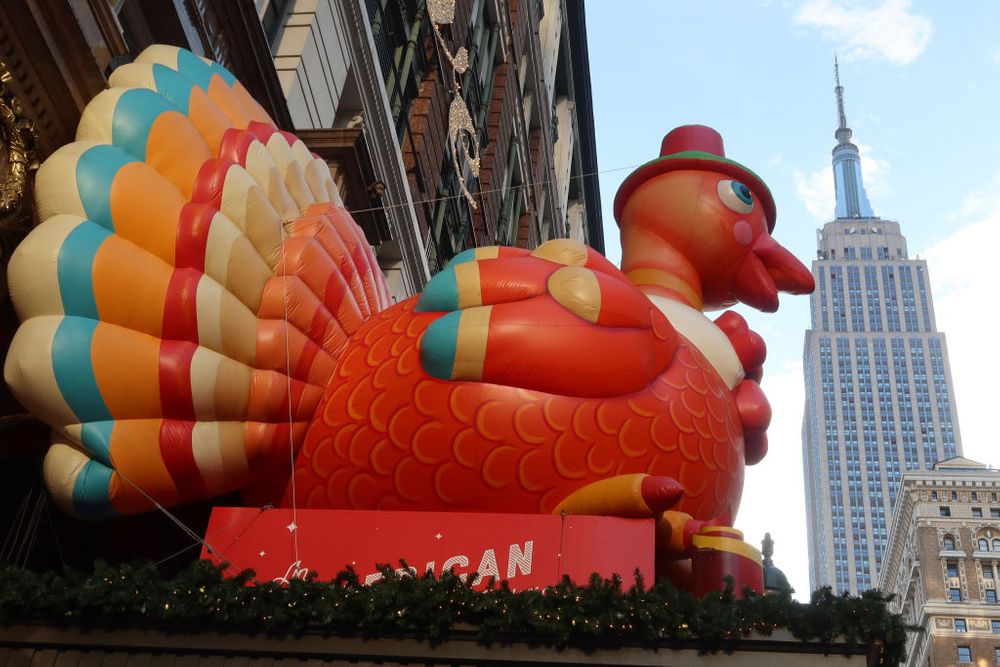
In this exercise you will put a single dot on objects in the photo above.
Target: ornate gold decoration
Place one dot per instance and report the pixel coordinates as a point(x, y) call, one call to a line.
point(17, 150)
point(462, 135)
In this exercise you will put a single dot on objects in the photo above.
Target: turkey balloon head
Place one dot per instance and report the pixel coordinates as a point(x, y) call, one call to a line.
point(696, 227)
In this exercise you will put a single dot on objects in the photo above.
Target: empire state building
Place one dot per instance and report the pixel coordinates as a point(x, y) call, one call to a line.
point(879, 398)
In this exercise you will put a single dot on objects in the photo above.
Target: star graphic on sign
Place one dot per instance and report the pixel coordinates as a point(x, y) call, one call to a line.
point(261, 554)
point(439, 536)
point(292, 527)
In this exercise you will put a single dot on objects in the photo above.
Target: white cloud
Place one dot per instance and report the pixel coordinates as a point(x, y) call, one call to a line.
point(874, 170)
point(976, 204)
point(887, 30)
point(815, 188)
point(962, 268)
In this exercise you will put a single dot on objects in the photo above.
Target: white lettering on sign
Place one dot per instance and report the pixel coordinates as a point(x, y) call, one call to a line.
point(462, 561)
point(518, 559)
point(294, 571)
point(487, 567)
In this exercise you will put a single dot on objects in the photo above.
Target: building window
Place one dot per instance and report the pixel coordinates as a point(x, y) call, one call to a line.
point(995, 512)
point(964, 655)
point(944, 510)
point(948, 544)
point(984, 544)
point(952, 568)
point(960, 625)
point(991, 596)
point(400, 31)
point(954, 495)
point(933, 495)
point(996, 654)
point(271, 19)
point(995, 625)
point(975, 497)
point(996, 544)
point(955, 594)
point(513, 203)
point(987, 571)
point(977, 512)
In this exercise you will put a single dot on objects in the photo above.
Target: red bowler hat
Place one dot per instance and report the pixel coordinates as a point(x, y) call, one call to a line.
point(695, 147)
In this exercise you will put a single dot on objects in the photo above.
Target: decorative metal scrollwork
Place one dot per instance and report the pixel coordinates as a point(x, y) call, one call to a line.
point(17, 150)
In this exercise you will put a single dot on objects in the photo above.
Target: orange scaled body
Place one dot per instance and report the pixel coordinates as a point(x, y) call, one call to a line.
point(389, 436)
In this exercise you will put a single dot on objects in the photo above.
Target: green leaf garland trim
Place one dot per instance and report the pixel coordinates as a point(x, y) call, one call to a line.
point(600, 614)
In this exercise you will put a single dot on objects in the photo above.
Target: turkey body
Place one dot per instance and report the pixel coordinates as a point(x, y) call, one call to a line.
point(386, 435)
point(199, 310)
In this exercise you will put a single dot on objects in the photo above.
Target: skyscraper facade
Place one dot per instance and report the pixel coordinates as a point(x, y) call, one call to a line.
point(879, 398)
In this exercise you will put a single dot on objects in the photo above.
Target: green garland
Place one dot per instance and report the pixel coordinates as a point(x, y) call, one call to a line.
point(598, 615)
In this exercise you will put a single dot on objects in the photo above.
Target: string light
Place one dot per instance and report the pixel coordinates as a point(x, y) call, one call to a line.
point(435, 200)
point(293, 526)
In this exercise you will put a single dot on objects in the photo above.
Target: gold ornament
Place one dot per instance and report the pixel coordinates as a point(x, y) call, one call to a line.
point(18, 143)
point(462, 135)
point(460, 62)
point(441, 11)
point(461, 132)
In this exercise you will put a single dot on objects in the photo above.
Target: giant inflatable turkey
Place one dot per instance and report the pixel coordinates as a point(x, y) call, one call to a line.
point(201, 315)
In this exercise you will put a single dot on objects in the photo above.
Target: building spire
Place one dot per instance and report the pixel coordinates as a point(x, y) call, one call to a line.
point(843, 133)
point(852, 200)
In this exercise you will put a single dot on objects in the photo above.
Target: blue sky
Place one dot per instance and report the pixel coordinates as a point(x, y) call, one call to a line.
point(922, 94)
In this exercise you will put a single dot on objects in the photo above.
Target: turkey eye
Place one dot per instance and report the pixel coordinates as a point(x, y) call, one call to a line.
point(736, 196)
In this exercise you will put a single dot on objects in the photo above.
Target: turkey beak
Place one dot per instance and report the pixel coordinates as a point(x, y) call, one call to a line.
point(767, 269)
point(789, 274)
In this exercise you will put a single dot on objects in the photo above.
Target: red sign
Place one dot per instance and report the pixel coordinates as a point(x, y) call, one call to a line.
point(528, 550)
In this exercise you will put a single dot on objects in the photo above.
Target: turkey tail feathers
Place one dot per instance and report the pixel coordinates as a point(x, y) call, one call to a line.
point(187, 295)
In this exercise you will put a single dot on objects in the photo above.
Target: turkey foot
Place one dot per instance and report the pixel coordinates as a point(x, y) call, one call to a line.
point(701, 555)
point(637, 495)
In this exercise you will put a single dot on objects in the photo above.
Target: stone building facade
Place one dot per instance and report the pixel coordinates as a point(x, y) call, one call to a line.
point(383, 66)
point(943, 562)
